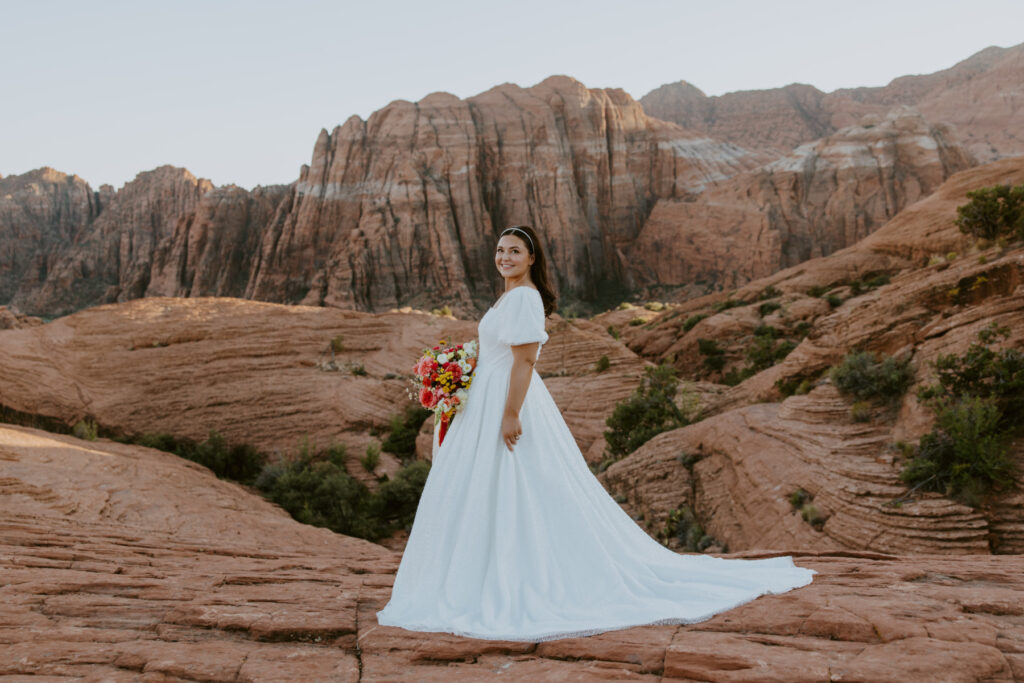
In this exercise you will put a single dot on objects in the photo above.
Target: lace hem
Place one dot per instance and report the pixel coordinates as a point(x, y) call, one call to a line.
point(558, 635)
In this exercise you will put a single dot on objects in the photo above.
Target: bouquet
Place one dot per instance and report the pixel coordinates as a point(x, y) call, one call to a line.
point(443, 375)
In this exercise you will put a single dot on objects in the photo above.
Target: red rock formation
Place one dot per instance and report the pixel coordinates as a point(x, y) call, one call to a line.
point(820, 198)
point(41, 212)
point(972, 95)
point(405, 206)
point(756, 452)
point(146, 566)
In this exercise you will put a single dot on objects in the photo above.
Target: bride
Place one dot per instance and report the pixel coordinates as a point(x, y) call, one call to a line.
point(514, 538)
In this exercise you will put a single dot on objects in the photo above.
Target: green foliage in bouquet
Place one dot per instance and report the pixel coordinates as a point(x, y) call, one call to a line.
point(650, 410)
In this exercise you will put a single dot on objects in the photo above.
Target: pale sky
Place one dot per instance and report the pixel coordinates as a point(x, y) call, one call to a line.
point(237, 90)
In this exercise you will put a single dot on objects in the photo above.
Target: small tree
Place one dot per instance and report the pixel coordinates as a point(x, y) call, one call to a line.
point(650, 410)
point(993, 212)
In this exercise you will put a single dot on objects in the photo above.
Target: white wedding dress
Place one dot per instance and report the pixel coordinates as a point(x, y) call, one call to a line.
point(527, 545)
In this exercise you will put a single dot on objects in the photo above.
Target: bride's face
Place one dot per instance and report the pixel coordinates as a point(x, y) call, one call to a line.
point(512, 257)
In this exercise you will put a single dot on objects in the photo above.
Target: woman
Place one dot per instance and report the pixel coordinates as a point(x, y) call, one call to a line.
point(514, 538)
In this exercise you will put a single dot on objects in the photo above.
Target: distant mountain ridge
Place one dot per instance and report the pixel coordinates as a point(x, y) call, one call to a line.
point(403, 208)
point(982, 96)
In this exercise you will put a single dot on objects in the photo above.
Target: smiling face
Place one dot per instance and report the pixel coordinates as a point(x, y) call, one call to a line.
point(513, 258)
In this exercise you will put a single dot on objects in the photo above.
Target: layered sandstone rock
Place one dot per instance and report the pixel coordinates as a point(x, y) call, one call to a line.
point(147, 567)
point(400, 209)
point(980, 96)
point(40, 213)
point(934, 303)
point(822, 197)
point(252, 371)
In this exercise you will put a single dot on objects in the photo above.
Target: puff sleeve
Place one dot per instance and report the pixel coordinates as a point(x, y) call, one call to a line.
point(522, 317)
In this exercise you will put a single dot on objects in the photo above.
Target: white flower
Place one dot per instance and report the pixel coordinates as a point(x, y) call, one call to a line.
point(466, 367)
point(442, 358)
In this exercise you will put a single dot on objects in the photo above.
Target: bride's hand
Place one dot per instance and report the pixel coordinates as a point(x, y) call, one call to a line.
point(511, 429)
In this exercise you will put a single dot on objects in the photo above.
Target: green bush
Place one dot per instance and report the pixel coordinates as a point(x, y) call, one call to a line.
point(864, 377)
point(965, 455)
point(372, 457)
point(85, 429)
point(613, 332)
point(637, 321)
point(993, 212)
point(337, 344)
point(602, 364)
point(810, 514)
point(401, 441)
point(799, 497)
point(861, 411)
point(650, 410)
point(768, 307)
point(321, 493)
point(834, 300)
point(985, 373)
point(979, 404)
point(769, 292)
point(692, 321)
point(682, 524)
point(726, 305)
point(240, 462)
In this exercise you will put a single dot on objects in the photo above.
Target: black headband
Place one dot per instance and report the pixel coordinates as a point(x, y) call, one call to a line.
point(522, 231)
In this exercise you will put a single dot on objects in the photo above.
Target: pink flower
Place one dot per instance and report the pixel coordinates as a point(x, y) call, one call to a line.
point(427, 398)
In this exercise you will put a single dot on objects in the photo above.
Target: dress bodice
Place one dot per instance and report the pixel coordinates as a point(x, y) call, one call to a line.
point(517, 318)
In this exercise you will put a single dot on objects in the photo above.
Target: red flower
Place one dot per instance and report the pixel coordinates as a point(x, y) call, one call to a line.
point(427, 398)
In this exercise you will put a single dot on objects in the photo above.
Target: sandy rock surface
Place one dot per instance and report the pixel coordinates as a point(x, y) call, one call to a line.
point(121, 563)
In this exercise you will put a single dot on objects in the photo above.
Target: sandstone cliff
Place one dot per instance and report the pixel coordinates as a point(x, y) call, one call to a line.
point(755, 449)
point(980, 96)
point(821, 197)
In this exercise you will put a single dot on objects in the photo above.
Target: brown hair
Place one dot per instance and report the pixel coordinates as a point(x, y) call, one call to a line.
point(539, 268)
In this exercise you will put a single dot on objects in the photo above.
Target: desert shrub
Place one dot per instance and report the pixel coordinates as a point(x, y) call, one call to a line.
point(834, 300)
point(401, 440)
point(394, 503)
point(860, 411)
point(726, 305)
point(768, 307)
point(993, 212)
point(766, 350)
point(979, 402)
point(320, 492)
point(613, 332)
point(985, 373)
point(357, 369)
point(966, 453)
point(769, 292)
point(602, 364)
point(654, 306)
point(337, 344)
point(799, 497)
point(865, 377)
point(625, 306)
point(682, 524)
point(818, 291)
point(372, 457)
point(650, 410)
point(712, 352)
point(878, 281)
point(85, 429)
point(692, 321)
point(324, 494)
point(812, 515)
point(803, 328)
point(637, 321)
point(240, 462)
